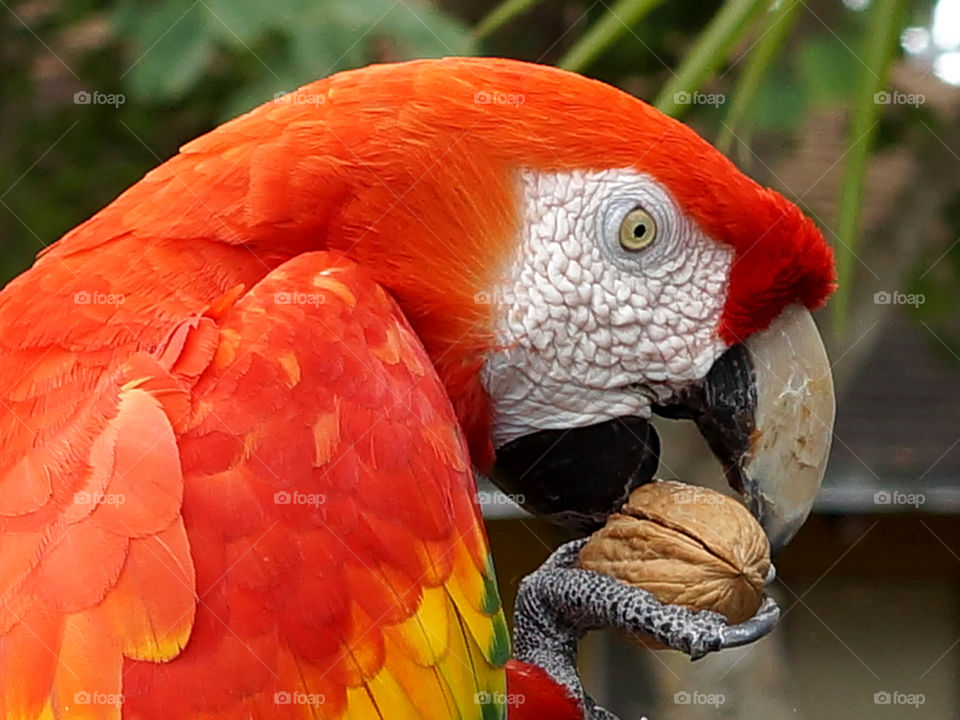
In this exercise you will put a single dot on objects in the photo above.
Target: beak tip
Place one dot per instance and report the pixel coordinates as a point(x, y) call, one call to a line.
point(783, 471)
point(780, 527)
point(780, 534)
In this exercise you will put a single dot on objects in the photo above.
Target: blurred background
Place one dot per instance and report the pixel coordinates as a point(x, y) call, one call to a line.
point(850, 108)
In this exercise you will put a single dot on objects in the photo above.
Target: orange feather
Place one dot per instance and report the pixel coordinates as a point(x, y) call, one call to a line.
point(288, 429)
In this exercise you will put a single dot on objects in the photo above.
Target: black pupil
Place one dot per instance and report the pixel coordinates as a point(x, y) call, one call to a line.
point(639, 230)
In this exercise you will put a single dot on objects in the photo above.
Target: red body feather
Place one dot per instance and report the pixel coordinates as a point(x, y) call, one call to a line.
point(147, 356)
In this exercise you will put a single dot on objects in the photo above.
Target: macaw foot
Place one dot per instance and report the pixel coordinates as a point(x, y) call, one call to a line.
point(559, 602)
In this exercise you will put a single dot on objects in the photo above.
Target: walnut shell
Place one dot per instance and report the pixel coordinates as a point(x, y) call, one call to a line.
point(687, 545)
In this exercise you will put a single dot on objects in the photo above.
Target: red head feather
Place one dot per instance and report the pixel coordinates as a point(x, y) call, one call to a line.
point(410, 170)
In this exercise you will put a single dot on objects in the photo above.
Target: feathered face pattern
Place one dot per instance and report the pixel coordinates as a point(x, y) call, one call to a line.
point(567, 253)
point(613, 301)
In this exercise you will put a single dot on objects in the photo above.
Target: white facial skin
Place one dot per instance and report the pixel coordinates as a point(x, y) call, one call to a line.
point(588, 330)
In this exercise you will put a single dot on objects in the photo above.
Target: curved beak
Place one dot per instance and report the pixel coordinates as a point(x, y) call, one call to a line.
point(767, 408)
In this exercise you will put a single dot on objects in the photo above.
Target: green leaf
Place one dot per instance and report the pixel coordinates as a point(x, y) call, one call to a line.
point(338, 36)
point(780, 103)
point(879, 48)
point(616, 21)
point(760, 58)
point(171, 48)
point(501, 15)
point(322, 44)
point(710, 50)
point(828, 70)
point(422, 31)
point(242, 22)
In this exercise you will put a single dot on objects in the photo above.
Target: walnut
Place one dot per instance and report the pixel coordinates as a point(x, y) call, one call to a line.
point(688, 546)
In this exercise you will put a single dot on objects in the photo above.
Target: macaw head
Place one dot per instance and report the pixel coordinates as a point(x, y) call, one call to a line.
point(575, 262)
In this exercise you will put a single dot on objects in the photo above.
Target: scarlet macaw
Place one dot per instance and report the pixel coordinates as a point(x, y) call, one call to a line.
point(242, 404)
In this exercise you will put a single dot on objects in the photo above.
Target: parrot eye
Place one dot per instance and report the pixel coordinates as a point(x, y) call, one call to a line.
point(638, 230)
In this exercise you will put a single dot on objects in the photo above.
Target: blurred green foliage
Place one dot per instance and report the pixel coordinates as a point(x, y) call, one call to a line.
point(183, 66)
point(266, 48)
